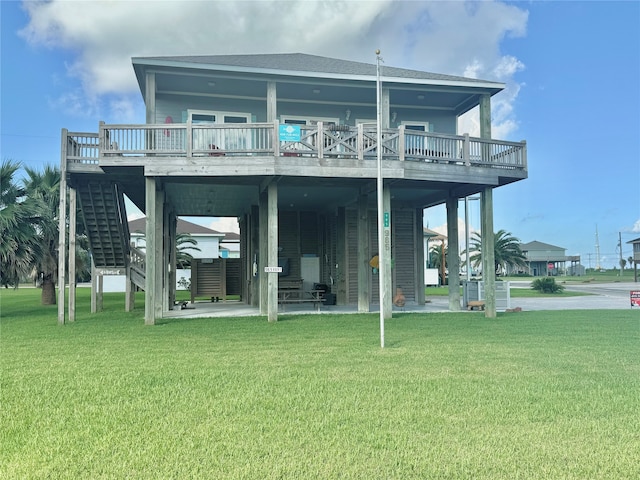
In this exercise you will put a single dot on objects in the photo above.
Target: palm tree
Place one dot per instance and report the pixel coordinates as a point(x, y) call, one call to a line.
point(184, 242)
point(16, 227)
point(506, 250)
point(438, 259)
point(43, 188)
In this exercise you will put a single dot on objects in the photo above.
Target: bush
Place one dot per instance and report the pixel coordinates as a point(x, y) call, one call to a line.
point(546, 285)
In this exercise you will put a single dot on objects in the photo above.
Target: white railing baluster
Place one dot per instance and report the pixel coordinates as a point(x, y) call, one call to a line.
point(356, 143)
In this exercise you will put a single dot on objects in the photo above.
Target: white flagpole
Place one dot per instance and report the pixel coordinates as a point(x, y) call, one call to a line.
point(381, 255)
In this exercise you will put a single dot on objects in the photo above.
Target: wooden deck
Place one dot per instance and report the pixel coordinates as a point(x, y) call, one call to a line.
point(256, 145)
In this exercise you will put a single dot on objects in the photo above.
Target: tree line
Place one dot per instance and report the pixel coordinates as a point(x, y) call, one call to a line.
point(29, 226)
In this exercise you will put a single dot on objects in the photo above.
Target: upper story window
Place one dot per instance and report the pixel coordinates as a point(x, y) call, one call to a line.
point(293, 120)
point(206, 116)
point(418, 126)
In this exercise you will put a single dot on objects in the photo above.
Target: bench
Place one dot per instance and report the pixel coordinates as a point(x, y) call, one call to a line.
point(475, 305)
point(300, 296)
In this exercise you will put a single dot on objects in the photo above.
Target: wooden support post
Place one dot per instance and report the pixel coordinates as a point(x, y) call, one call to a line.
point(419, 253)
point(151, 248)
point(72, 254)
point(272, 102)
point(173, 258)
point(100, 293)
point(385, 268)
point(253, 249)
point(486, 200)
point(129, 295)
point(94, 287)
point(342, 270)
point(488, 252)
point(262, 255)
point(453, 258)
point(272, 254)
point(62, 228)
point(159, 257)
point(364, 279)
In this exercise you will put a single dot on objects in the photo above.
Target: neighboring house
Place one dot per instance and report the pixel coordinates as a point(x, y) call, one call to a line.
point(289, 145)
point(636, 249)
point(230, 245)
point(636, 256)
point(544, 259)
point(208, 243)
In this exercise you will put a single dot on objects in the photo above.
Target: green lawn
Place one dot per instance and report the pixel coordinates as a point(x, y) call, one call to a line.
point(543, 395)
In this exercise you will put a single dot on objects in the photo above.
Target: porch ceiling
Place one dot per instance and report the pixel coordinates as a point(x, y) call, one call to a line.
point(226, 197)
point(349, 93)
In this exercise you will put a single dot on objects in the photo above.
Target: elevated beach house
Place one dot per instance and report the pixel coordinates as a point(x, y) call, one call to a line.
point(288, 144)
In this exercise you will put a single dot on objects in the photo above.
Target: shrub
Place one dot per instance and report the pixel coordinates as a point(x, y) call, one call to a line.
point(546, 285)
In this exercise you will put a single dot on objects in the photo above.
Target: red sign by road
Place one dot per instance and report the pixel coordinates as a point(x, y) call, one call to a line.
point(635, 298)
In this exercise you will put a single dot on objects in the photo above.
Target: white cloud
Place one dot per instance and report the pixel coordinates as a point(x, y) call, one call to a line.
point(445, 37)
point(224, 224)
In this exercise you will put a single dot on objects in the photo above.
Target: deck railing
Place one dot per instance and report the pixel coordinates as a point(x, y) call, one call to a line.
point(319, 141)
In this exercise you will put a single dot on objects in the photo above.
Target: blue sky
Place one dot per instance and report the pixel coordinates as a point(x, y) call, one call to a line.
point(572, 71)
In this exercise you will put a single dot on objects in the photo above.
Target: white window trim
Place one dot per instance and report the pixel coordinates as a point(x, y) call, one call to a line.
point(420, 124)
point(218, 114)
point(309, 120)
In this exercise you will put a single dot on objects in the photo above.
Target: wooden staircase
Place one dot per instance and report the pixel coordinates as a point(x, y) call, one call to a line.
point(103, 209)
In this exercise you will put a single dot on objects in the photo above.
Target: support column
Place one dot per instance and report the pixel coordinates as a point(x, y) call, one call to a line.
point(159, 257)
point(62, 228)
point(364, 280)
point(385, 107)
point(150, 97)
point(262, 255)
point(72, 254)
point(94, 287)
point(453, 258)
point(173, 256)
point(485, 116)
point(168, 269)
point(488, 253)
point(151, 242)
point(486, 200)
point(420, 260)
point(272, 102)
point(100, 292)
point(253, 251)
point(272, 254)
point(129, 293)
point(341, 269)
point(385, 266)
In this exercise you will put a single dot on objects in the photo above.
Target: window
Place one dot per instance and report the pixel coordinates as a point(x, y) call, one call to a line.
point(308, 120)
point(220, 139)
point(416, 144)
point(207, 116)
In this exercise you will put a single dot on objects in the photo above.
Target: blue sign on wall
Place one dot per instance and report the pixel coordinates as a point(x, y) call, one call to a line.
point(289, 133)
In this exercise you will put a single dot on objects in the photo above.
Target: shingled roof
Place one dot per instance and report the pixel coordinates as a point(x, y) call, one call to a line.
point(300, 62)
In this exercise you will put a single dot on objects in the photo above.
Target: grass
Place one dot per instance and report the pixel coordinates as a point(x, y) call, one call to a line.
point(527, 395)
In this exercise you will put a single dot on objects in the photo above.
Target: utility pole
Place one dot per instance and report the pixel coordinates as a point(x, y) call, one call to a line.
point(597, 250)
point(620, 247)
